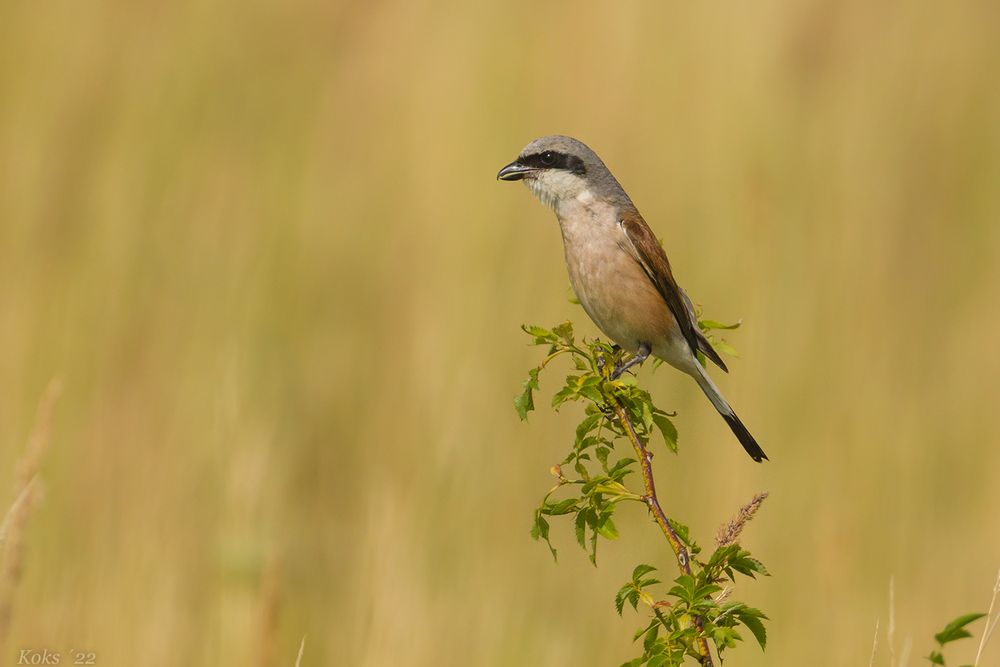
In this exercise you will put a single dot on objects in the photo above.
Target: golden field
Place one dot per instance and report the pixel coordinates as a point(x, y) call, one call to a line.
point(262, 247)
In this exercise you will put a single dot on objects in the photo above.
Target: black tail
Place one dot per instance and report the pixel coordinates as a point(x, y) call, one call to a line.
point(743, 435)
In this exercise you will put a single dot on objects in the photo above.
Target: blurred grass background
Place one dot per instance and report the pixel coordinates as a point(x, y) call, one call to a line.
point(261, 244)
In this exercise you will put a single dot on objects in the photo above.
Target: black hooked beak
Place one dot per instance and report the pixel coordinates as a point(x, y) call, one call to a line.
point(514, 171)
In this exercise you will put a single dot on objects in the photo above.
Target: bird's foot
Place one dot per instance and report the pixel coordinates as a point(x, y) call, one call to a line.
point(640, 356)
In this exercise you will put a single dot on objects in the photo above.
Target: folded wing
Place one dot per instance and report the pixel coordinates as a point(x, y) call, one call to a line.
point(643, 246)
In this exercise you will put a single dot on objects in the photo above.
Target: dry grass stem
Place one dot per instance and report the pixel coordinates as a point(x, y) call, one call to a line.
point(891, 630)
point(871, 661)
point(904, 653)
point(27, 490)
point(991, 622)
point(302, 649)
point(269, 607)
point(730, 533)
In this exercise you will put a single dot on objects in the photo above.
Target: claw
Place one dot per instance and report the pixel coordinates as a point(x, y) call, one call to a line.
point(640, 356)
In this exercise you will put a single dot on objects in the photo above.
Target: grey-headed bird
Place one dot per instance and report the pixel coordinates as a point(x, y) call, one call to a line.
point(617, 267)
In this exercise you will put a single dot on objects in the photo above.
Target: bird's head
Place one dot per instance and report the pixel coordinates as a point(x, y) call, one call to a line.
point(557, 168)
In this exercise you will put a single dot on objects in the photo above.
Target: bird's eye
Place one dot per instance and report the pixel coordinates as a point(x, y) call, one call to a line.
point(548, 158)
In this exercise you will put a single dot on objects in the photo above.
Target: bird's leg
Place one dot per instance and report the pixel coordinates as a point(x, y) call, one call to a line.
point(640, 356)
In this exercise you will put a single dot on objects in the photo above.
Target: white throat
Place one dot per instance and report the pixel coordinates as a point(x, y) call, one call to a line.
point(554, 187)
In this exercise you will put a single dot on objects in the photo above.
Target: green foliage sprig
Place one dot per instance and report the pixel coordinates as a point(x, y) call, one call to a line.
point(694, 612)
point(954, 631)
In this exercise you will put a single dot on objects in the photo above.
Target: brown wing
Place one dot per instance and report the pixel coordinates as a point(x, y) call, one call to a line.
point(643, 246)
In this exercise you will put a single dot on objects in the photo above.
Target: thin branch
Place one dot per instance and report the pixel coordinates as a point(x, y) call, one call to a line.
point(653, 503)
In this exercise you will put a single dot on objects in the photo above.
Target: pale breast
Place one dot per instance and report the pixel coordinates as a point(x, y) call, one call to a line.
point(612, 287)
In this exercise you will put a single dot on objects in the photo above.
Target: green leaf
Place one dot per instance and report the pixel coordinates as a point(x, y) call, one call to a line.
point(592, 392)
point(592, 521)
point(725, 638)
point(607, 528)
point(668, 430)
point(641, 631)
point(684, 590)
point(651, 635)
point(640, 570)
point(567, 393)
point(565, 332)
point(540, 335)
point(559, 508)
point(525, 403)
point(705, 591)
point(647, 414)
point(681, 530)
point(748, 566)
point(751, 618)
point(602, 456)
point(936, 658)
point(620, 468)
point(541, 531)
point(712, 324)
point(724, 347)
point(588, 424)
point(956, 629)
point(580, 526)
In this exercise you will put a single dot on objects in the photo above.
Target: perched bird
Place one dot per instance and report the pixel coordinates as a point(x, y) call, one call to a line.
point(617, 267)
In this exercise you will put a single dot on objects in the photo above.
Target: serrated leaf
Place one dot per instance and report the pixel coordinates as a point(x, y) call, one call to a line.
point(705, 590)
point(682, 531)
point(641, 631)
point(602, 456)
point(667, 429)
point(607, 529)
point(588, 424)
point(651, 635)
point(580, 526)
point(565, 394)
point(541, 531)
point(620, 597)
point(640, 570)
point(647, 415)
point(725, 638)
point(525, 403)
point(565, 332)
point(956, 629)
point(536, 331)
point(593, 546)
point(559, 508)
point(748, 566)
point(618, 470)
point(751, 618)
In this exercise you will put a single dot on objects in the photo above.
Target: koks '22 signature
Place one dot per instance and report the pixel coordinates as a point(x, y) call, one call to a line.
point(43, 656)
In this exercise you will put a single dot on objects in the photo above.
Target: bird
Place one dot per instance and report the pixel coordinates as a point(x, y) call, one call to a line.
point(617, 267)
